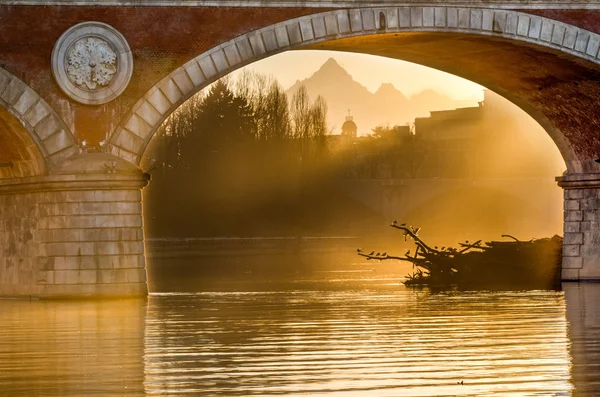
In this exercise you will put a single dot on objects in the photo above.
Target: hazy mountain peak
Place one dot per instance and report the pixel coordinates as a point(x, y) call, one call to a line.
point(331, 63)
point(386, 87)
point(331, 69)
point(387, 105)
point(389, 89)
point(331, 76)
point(387, 93)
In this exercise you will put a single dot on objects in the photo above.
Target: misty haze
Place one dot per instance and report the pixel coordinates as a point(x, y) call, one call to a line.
point(248, 158)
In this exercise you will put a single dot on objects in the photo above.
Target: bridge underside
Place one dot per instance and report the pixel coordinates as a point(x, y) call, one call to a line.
point(557, 90)
point(19, 154)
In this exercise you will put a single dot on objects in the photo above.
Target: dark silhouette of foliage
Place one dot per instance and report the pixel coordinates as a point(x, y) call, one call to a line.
point(241, 158)
point(530, 264)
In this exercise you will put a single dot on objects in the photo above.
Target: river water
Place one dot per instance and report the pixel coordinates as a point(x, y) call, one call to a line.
point(327, 334)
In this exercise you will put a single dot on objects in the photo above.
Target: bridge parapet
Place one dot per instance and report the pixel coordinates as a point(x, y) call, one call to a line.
point(530, 4)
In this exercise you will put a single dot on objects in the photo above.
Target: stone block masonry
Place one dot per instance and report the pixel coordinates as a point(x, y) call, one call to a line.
point(72, 235)
point(19, 269)
point(581, 244)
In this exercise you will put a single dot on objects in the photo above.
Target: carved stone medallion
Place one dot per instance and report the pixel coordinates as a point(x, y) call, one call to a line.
point(92, 63)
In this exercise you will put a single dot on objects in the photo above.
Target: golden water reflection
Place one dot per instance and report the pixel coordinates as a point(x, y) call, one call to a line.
point(72, 348)
point(583, 315)
point(382, 342)
point(367, 338)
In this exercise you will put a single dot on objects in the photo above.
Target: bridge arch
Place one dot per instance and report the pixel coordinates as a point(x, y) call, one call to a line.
point(33, 138)
point(558, 61)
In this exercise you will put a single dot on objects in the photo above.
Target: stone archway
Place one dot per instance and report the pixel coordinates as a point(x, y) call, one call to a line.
point(19, 154)
point(358, 30)
point(64, 218)
point(548, 68)
point(33, 138)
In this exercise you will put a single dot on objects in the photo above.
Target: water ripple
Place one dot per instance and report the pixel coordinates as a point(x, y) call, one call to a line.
point(400, 343)
point(380, 341)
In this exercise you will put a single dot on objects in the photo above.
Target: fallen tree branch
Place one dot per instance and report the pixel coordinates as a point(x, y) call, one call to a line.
point(536, 262)
point(514, 238)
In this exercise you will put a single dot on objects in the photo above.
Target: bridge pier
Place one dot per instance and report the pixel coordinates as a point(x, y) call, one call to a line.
point(74, 233)
point(581, 244)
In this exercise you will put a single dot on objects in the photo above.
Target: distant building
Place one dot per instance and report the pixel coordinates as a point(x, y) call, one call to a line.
point(451, 125)
point(452, 142)
point(494, 139)
point(345, 140)
point(349, 128)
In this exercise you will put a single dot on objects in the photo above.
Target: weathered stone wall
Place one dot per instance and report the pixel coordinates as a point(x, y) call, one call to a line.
point(91, 242)
point(72, 235)
point(19, 245)
point(581, 244)
point(161, 39)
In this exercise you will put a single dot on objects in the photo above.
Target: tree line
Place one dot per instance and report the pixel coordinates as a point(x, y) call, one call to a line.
point(241, 158)
point(251, 108)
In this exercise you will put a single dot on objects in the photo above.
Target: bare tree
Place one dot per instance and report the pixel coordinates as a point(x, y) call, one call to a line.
point(301, 114)
point(318, 125)
point(276, 114)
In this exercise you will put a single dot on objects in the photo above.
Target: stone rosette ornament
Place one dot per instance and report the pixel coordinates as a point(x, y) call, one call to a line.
point(92, 63)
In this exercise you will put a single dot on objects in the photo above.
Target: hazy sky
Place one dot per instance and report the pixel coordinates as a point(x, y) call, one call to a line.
point(368, 70)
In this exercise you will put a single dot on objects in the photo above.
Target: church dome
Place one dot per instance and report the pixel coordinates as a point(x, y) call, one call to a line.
point(349, 127)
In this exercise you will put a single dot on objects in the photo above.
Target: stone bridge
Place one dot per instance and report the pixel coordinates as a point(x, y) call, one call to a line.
point(84, 85)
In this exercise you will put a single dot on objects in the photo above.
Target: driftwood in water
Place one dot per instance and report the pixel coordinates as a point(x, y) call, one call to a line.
point(531, 264)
